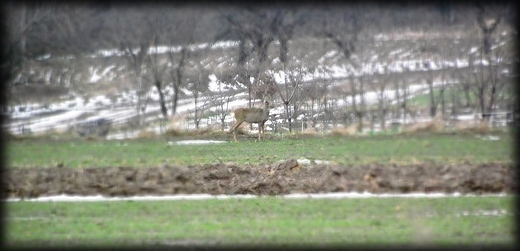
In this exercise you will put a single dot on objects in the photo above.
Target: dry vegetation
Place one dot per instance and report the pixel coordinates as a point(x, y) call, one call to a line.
point(146, 134)
point(345, 131)
point(435, 125)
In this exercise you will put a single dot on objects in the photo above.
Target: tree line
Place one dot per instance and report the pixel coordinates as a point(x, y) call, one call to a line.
point(37, 31)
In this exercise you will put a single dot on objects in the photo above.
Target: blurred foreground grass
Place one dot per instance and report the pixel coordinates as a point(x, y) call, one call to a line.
point(263, 221)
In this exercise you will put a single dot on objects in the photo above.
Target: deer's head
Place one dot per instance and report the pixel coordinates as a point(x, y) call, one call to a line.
point(268, 101)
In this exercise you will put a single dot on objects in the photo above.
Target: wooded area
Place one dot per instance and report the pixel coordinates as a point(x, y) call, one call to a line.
point(51, 46)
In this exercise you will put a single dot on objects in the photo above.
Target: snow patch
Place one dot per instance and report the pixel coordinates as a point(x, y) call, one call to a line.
point(351, 195)
point(303, 161)
point(195, 142)
point(488, 137)
point(484, 213)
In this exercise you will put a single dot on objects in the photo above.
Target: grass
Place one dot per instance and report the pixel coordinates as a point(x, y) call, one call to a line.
point(266, 220)
point(423, 100)
point(339, 149)
point(263, 221)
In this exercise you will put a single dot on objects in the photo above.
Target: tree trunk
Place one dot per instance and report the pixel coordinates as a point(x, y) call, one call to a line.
point(177, 76)
point(433, 107)
point(405, 103)
point(139, 90)
point(162, 102)
point(222, 123)
point(283, 50)
point(361, 107)
point(176, 89)
point(443, 103)
point(487, 29)
point(482, 103)
point(383, 118)
point(195, 97)
point(454, 105)
point(492, 98)
point(242, 54)
point(398, 99)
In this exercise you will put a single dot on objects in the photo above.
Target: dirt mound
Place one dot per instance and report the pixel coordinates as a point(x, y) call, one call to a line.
point(264, 179)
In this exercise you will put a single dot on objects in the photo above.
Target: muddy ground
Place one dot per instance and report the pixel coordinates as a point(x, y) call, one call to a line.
point(264, 179)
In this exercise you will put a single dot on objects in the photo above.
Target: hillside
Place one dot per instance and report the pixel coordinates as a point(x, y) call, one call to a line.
point(104, 86)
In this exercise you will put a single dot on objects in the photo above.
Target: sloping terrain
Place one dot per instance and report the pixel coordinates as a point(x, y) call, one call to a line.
point(106, 88)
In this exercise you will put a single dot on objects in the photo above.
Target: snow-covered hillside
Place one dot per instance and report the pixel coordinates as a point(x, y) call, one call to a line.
point(396, 60)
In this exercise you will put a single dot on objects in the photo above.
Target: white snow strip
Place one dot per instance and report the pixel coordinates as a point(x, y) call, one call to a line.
point(489, 137)
point(195, 142)
point(303, 161)
point(484, 213)
point(45, 123)
point(352, 195)
point(29, 218)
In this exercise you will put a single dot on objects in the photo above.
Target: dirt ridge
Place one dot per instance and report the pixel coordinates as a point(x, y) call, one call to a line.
point(279, 178)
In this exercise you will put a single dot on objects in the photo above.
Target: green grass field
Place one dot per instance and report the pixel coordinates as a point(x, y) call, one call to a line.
point(342, 150)
point(264, 221)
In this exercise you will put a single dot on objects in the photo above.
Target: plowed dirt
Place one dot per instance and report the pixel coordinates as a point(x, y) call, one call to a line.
point(264, 179)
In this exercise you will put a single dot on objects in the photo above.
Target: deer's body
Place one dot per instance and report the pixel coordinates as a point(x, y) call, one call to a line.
point(251, 115)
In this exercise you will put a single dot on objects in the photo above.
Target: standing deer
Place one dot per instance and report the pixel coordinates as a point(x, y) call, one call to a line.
point(251, 115)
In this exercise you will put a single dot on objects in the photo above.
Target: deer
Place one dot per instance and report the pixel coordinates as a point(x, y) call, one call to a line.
point(251, 115)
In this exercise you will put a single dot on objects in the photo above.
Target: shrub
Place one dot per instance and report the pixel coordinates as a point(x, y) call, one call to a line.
point(473, 127)
point(310, 131)
point(145, 134)
point(435, 125)
point(172, 132)
point(344, 131)
point(92, 137)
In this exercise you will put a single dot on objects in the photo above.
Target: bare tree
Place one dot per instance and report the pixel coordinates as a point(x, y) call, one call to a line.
point(349, 28)
point(223, 97)
point(288, 94)
point(489, 79)
point(134, 42)
point(358, 98)
point(49, 37)
point(488, 18)
point(380, 87)
point(158, 72)
point(159, 22)
point(21, 19)
point(434, 99)
point(312, 100)
point(176, 73)
point(187, 21)
point(198, 84)
point(259, 27)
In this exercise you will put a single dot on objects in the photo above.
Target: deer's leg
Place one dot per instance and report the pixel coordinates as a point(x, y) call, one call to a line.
point(260, 131)
point(263, 130)
point(234, 129)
